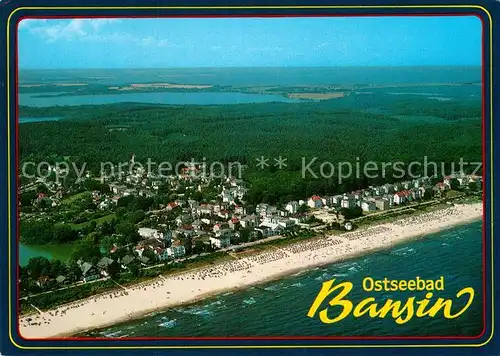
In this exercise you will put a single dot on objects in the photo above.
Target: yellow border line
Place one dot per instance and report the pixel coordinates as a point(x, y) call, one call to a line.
point(9, 183)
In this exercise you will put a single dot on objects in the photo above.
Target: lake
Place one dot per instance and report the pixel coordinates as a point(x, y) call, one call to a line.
point(58, 252)
point(200, 98)
point(27, 120)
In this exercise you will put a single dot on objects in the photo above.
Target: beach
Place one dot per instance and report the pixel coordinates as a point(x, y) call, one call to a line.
point(166, 291)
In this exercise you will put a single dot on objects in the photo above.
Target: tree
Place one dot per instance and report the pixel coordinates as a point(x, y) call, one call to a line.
point(149, 254)
point(454, 184)
point(45, 203)
point(138, 216)
point(428, 194)
point(57, 268)
point(125, 201)
point(26, 198)
point(74, 271)
point(120, 212)
point(107, 243)
point(187, 242)
point(245, 235)
point(63, 233)
point(352, 212)
point(129, 232)
point(108, 227)
point(86, 252)
point(37, 231)
point(473, 186)
point(303, 209)
point(199, 247)
point(198, 196)
point(37, 267)
point(134, 268)
point(41, 188)
point(114, 269)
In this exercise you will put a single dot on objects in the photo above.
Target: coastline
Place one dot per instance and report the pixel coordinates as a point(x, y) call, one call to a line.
point(192, 286)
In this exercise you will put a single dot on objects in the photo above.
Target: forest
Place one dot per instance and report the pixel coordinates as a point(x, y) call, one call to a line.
point(358, 128)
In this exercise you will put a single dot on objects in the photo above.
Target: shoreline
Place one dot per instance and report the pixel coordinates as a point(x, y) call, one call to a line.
point(115, 307)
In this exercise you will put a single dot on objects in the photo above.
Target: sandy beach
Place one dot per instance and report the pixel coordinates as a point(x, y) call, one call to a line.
point(165, 291)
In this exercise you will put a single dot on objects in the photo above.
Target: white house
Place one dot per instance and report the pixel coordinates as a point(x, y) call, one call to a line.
point(147, 233)
point(368, 205)
point(382, 204)
point(292, 207)
point(401, 197)
point(336, 200)
point(220, 241)
point(275, 222)
point(266, 231)
point(249, 221)
point(348, 202)
point(176, 251)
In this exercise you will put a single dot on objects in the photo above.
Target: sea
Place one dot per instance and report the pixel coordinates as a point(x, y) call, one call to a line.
point(257, 76)
point(280, 307)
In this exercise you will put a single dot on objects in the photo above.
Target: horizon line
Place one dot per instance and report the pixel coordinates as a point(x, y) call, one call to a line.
point(264, 67)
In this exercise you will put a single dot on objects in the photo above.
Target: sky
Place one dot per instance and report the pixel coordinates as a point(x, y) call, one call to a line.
point(249, 42)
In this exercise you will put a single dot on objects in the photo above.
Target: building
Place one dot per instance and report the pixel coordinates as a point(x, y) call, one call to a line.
point(336, 200)
point(315, 202)
point(249, 222)
point(266, 231)
point(103, 265)
point(292, 207)
point(348, 202)
point(382, 204)
point(89, 272)
point(176, 251)
point(368, 206)
point(234, 222)
point(415, 194)
point(147, 233)
point(402, 197)
point(62, 280)
point(389, 198)
point(220, 241)
point(463, 180)
point(275, 222)
point(126, 261)
point(238, 209)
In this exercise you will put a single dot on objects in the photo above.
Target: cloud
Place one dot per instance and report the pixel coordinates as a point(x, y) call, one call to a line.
point(150, 41)
point(88, 30)
point(264, 49)
point(55, 30)
point(322, 45)
point(28, 23)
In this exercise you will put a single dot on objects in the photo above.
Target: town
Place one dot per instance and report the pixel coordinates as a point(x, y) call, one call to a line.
point(137, 221)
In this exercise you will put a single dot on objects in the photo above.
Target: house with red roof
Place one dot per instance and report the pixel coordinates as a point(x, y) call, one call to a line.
point(315, 202)
point(402, 196)
point(172, 205)
point(233, 222)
